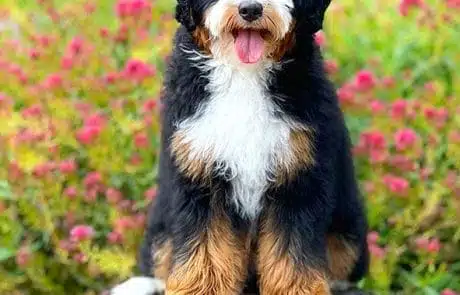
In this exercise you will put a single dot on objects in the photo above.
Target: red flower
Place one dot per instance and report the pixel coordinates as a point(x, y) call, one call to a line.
point(331, 66)
point(405, 138)
point(345, 95)
point(87, 135)
point(138, 70)
point(92, 179)
point(399, 109)
point(113, 195)
point(405, 5)
point(53, 81)
point(396, 185)
point(373, 237)
point(449, 291)
point(141, 140)
point(422, 243)
point(67, 166)
point(81, 233)
point(23, 257)
point(149, 105)
point(377, 251)
point(150, 194)
point(320, 38)
point(114, 237)
point(376, 106)
point(71, 192)
point(434, 246)
point(365, 80)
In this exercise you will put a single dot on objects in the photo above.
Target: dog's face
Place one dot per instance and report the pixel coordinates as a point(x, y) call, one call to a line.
point(249, 31)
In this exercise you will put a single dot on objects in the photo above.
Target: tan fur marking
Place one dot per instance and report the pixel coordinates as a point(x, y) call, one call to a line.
point(302, 156)
point(279, 275)
point(162, 260)
point(341, 257)
point(279, 48)
point(195, 168)
point(202, 39)
point(217, 264)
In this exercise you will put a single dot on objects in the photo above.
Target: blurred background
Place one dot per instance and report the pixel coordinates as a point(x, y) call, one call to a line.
point(79, 87)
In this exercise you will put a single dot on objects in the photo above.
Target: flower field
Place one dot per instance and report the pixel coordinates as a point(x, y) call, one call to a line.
point(79, 107)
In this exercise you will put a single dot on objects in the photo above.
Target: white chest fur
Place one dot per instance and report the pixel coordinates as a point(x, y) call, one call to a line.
point(238, 130)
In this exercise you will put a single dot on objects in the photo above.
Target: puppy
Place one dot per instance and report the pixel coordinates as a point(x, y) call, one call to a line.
point(257, 192)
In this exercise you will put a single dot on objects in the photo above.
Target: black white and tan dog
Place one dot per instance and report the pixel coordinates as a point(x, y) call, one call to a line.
point(257, 192)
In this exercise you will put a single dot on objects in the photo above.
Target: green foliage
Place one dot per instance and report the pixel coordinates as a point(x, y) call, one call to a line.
point(78, 152)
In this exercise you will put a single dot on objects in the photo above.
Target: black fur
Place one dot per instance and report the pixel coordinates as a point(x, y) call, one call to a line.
point(323, 199)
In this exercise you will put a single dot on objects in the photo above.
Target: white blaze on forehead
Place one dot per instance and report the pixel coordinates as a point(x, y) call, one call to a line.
point(215, 14)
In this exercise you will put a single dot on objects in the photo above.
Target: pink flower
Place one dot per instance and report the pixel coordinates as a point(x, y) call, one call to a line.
point(124, 223)
point(399, 109)
point(42, 170)
point(396, 185)
point(34, 54)
point(434, 246)
point(373, 140)
point(388, 82)
point(331, 66)
point(365, 80)
point(92, 179)
point(377, 106)
point(81, 233)
point(345, 95)
point(95, 120)
point(111, 78)
point(405, 5)
point(141, 140)
point(75, 46)
point(150, 194)
point(67, 62)
point(88, 134)
point(405, 138)
point(422, 243)
point(23, 257)
point(113, 195)
point(68, 166)
point(32, 111)
point(449, 291)
point(455, 4)
point(138, 70)
point(80, 258)
point(114, 237)
point(53, 81)
point(149, 105)
point(71, 192)
point(402, 162)
point(377, 251)
point(320, 38)
point(373, 237)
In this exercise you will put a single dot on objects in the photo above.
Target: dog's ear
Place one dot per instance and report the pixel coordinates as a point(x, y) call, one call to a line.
point(312, 13)
point(184, 14)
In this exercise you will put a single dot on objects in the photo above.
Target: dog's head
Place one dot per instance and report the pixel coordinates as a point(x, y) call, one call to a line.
point(249, 30)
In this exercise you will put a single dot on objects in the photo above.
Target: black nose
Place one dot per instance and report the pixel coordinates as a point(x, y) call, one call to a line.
point(250, 11)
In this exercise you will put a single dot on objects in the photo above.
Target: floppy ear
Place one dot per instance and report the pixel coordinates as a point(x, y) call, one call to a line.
point(312, 12)
point(184, 14)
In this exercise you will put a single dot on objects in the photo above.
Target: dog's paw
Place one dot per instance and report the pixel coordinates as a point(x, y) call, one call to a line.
point(139, 286)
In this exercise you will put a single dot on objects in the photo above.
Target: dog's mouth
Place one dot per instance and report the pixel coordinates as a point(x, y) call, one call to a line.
point(249, 44)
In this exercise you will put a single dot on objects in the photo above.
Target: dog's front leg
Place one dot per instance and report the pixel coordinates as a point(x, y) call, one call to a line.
point(291, 258)
point(209, 257)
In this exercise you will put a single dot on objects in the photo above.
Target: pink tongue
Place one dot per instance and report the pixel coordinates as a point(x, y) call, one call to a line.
point(249, 46)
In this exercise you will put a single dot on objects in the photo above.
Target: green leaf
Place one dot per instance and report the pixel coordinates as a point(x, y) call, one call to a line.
point(5, 254)
point(5, 190)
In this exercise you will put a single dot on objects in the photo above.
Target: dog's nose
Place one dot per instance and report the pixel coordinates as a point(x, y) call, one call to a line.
point(250, 11)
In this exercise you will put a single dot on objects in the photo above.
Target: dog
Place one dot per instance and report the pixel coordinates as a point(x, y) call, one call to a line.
point(257, 191)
